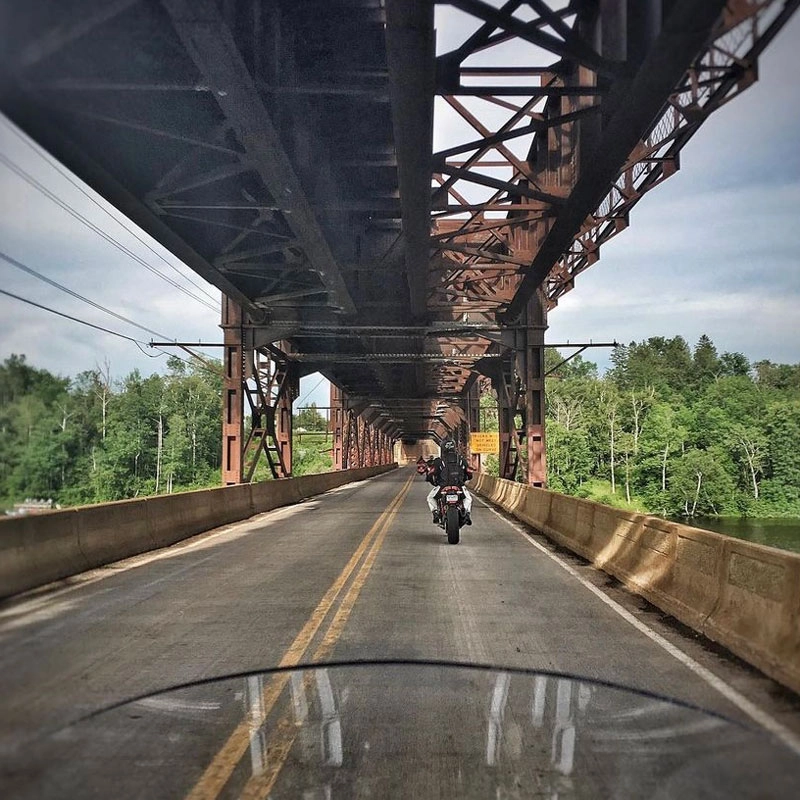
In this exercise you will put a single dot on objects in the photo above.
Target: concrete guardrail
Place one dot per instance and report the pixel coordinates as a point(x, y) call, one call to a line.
point(40, 548)
point(744, 596)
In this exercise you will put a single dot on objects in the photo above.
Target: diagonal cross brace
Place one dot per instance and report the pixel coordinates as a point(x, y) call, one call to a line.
point(210, 44)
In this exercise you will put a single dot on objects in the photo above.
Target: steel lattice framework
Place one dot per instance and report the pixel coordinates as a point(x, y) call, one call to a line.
point(399, 219)
point(553, 206)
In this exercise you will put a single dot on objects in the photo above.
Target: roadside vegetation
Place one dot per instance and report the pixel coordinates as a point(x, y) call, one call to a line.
point(312, 443)
point(676, 431)
point(96, 438)
point(669, 429)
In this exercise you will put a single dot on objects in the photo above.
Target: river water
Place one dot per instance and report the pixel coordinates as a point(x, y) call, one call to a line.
point(781, 533)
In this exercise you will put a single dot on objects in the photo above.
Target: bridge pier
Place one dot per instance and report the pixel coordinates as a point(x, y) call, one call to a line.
point(506, 385)
point(269, 383)
point(361, 438)
point(233, 392)
point(472, 412)
point(530, 360)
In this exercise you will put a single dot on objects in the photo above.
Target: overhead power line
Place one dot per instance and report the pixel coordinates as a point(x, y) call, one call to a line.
point(68, 316)
point(30, 271)
point(311, 391)
point(45, 156)
point(17, 170)
point(138, 342)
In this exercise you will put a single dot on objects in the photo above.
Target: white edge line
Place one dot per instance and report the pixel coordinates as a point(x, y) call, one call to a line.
point(788, 737)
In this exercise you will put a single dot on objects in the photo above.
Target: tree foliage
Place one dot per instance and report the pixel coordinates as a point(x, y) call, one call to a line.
point(92, 439)
point(678, 431)
point(309, 419)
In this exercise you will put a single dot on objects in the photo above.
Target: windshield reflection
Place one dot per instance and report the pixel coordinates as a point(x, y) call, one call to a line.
point(412, 730)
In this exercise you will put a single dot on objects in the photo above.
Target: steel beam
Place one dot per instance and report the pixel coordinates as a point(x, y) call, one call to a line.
point(211, 45)
point(337, 423)
point(628, 110)
point(25, 113)
point(530, 365)
point(411, 55)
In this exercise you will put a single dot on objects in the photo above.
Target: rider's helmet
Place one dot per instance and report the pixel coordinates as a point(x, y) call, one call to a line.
point(448, 444)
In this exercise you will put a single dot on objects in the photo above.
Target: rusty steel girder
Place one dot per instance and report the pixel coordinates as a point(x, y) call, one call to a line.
point(362, 437)
point(562, 150)
point(268, 383)
point(561, 147)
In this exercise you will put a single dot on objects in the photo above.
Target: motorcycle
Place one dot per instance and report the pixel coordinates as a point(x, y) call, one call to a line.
point(452, 515)
point(403, 729)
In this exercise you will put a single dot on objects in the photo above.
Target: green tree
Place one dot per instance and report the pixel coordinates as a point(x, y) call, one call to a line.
point(777, 376)
point(662, 440)
point(700, 485)
point(569, 458)
point(663, 364)
point(733, 364)
point(310, 419)
point(782, 426)
point(706, 366)
point(127, 463)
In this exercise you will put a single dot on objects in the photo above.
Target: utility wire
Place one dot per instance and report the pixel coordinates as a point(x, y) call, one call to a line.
point(30, 271)
point(311, 391)
point(74, 319)
point(137, 342)
point(43, 154)
point(17, 170)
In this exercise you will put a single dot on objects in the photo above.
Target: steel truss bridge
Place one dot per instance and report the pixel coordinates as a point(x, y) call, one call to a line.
point(284, 150)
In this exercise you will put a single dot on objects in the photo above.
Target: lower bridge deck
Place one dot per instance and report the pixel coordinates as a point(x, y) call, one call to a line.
point(358, 573)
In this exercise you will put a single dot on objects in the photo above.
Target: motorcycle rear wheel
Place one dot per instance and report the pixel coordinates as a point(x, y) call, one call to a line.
point(451, 525)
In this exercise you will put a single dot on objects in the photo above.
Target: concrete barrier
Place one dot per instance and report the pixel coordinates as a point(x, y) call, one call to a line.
point(40, 548)
point(757, 614)
point(173, 517)
point(744, 596)
point(112, 531)
point(45, 546)
point(274, 494)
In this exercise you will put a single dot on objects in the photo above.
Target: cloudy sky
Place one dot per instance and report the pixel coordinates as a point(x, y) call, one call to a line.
point(713, 250)
point(716, 248)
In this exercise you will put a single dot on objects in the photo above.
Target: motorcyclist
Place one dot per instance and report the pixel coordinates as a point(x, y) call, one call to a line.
point(449, 469)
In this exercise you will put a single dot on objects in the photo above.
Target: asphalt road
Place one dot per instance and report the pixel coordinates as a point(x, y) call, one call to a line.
point(361, 574)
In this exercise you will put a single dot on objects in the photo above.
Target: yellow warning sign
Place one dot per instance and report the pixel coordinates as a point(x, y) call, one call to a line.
point(484, 442)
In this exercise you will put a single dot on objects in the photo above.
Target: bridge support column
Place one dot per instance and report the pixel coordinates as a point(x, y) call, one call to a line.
point(387, 449)
point(337, 423)
point(507, 387)
point(351, 450)
point(530, 364)
point(354, 440)
point(364, 443)
point(269, 383)
point(473, 415)
point(232, 392)
point(360, 439)
point(270, 386)
point(283, 421)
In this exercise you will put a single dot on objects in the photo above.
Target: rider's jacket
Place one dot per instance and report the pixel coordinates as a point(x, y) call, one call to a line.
point(449, 471)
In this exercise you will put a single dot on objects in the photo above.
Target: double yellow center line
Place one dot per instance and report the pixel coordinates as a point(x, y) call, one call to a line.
point(223, 764)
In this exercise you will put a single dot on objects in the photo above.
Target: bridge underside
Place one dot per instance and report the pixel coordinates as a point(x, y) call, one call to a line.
point(285, 152)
